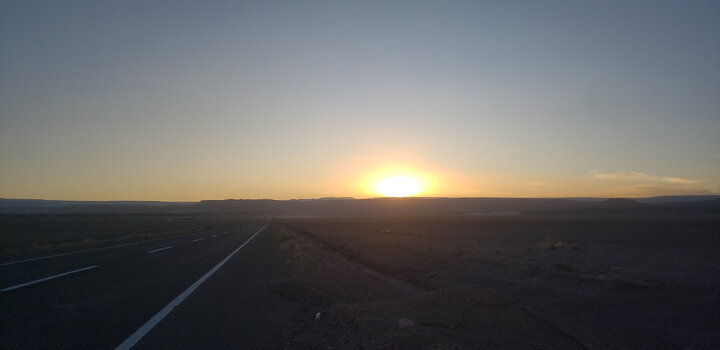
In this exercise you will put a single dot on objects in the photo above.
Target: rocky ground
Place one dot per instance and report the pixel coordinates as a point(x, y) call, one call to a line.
point(543, 282)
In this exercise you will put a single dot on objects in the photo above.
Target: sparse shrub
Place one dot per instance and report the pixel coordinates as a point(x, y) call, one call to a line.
point(283, 235)
point(546, 243)
point(65, 245)
point(560, 244)
point(89, 241)
point(554, 245)
point(134, 236)
point(39, 247)
point(561, 266)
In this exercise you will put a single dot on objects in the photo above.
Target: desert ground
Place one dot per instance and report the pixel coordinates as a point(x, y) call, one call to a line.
point(531, 281)
point(545, 281)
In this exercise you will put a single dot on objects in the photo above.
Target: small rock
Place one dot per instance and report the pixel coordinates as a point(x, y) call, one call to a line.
point(405, 323)
point(317, 316)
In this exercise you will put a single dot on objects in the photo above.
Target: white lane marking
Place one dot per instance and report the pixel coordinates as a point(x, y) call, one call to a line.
point(198, 240)
point(159, 249)
point(79, 252)
point(144, 329)
point(215, 235)
point(96, 249)
point(46, 278)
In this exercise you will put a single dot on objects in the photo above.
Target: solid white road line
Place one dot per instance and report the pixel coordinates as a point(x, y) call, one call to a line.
point(46, 278)
point(197, 240)
point(144, 329)
point(159, 250)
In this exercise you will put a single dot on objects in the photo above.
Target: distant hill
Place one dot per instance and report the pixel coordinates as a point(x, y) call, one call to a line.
point(374, 206)
point(657, 199)
point(5, 202)
point(16, 206)
point(675, 199)
point(620, 202)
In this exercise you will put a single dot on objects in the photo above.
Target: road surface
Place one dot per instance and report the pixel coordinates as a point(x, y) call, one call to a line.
point(107, 298)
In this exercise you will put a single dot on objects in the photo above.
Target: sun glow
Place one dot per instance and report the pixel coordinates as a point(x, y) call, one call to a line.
point(399, 186)
point(399, 182)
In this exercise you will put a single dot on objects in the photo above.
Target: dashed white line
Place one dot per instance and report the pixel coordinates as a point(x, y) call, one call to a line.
point(144, 329)
point(46, 278)
point(159, 249)
point(80, 251)
point(215, 235)
point(198, 240)
point(96, 249)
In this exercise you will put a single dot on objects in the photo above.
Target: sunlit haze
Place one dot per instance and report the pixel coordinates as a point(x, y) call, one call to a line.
point(180, 100)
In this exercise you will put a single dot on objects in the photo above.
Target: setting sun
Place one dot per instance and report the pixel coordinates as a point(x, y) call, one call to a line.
point(399, 181)
point(399, 186)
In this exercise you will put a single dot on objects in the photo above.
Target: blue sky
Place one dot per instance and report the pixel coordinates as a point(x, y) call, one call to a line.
point(188, 100)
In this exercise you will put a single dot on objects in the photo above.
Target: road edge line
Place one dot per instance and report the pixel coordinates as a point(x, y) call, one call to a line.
point(150, 324)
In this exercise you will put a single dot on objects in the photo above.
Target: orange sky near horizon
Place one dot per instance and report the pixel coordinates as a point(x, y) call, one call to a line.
point(362, 183)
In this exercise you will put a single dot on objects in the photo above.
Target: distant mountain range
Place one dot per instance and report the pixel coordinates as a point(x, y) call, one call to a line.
point(55, 203)
point(657, 199)
point(339, 206)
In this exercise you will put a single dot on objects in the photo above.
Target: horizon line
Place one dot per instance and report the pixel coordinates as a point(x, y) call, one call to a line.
point(360, 198)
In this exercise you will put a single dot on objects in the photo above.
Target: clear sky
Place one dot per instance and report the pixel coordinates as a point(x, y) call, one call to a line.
point(180, 100)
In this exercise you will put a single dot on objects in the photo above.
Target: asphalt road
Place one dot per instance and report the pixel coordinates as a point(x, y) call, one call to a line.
point(101, 298)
